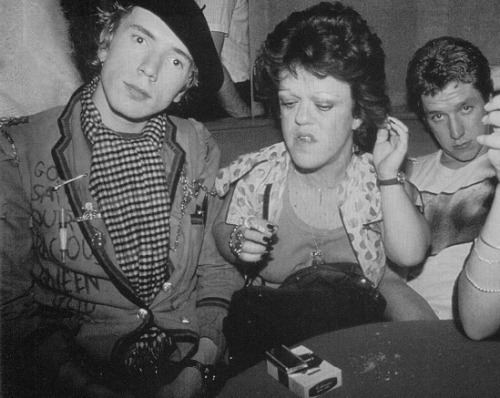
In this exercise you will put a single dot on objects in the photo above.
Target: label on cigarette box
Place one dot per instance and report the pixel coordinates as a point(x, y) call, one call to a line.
point(318, 378)
point(323, 387)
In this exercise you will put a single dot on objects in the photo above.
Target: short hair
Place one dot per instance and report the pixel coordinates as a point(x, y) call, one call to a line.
point(329, 39)
point(441, 61)
point(108, 20)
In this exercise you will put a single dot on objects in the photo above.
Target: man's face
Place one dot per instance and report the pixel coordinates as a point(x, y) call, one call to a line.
point(145, 68)
point(454, 117)
point(316, 119)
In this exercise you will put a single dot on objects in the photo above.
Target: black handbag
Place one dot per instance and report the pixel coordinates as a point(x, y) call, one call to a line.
point(311, 301)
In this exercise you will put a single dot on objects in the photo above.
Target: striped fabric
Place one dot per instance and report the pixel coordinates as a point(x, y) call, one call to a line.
point(128, 181)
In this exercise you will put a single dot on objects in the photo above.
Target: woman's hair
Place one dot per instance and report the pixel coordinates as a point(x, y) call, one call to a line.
point(444, 60)
point(329, 39)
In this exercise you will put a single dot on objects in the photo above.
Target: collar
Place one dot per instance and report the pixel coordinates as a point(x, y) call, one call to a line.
point(71, 155)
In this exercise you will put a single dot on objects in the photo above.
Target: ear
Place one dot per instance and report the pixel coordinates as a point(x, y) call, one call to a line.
point(356, 122)
point(179, 96)
point(104, 42)
point(102, 54)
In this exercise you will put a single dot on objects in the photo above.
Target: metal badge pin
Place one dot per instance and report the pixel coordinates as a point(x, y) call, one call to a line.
point(97, 239)
point(56, 187)
point(89, 213)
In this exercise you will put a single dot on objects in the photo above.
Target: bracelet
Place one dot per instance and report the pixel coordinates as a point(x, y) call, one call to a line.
point(484, 260)
point(236, 241)
point(476, 286)
point(487, 243)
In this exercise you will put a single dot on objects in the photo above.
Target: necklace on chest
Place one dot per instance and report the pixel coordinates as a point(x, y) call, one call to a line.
point(317, 207)
point(317, 255)
point(314, 205)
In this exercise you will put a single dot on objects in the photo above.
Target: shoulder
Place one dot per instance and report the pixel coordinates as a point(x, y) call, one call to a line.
point(419, 167)
point(29, 131)
point(192, 134)
point(201, 149)
point(269, 161)
point(190, 127)
point(272, 154)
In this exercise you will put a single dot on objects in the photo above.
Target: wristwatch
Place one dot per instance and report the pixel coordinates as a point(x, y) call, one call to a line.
point(400, 179)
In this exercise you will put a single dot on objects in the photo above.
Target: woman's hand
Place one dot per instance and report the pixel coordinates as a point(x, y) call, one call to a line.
point(252, 240)
point(390, 148)
point(492, 141)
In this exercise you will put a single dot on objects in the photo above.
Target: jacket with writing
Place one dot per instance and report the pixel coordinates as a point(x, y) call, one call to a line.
point(35, 157)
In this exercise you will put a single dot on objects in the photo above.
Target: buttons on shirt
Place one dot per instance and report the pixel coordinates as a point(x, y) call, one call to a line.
point(142, 313)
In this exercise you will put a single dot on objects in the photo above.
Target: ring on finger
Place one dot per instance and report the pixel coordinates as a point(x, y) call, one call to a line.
point(236, 240)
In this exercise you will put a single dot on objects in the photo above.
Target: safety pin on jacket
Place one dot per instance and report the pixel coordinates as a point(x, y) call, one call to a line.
point(63, 229)
point(56, 187)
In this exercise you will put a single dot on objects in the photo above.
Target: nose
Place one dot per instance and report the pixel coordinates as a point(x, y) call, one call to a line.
point(150, 66)
point(456, 128)
point(302, 115)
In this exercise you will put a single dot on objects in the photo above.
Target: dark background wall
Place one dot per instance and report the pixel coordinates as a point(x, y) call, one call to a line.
point(403, 26)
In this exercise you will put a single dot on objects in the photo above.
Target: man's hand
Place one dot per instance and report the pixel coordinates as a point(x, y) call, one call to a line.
point(189, 383)
point(390, 148)
point(492, 141)
point(74, 381)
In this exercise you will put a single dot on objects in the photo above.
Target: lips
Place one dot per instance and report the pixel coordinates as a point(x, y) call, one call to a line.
point(136, 92)
point(305, 138)
point(461, 146)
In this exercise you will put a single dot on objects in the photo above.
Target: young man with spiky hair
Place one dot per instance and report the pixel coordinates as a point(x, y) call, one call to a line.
point(115, 289)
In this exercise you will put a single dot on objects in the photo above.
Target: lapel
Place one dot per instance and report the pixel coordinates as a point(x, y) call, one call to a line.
point(174, 156)
point(71, 155)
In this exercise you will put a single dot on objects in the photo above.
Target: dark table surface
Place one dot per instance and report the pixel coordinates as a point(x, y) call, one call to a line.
point(393, 359)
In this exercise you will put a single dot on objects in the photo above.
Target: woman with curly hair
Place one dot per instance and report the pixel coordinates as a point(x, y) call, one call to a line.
point(331, 192)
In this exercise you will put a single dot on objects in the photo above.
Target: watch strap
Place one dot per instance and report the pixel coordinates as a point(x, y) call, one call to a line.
point(399, 179)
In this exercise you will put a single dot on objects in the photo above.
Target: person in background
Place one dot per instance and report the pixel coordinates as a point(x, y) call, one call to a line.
point(331, 190)
point(228, 23)
point(448, 84)
point(37, 71)
point(119, 290)
point(479, 282)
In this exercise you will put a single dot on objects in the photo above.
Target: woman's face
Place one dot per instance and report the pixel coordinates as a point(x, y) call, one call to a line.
point(316, 119)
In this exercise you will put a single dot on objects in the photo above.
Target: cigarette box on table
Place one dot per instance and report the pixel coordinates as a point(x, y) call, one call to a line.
point(319, 377)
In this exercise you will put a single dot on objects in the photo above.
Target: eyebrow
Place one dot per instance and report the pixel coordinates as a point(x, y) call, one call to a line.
point(184, 54)
point(466, 101)
point(146, 32)
point(143, 30)
point(315, 93)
